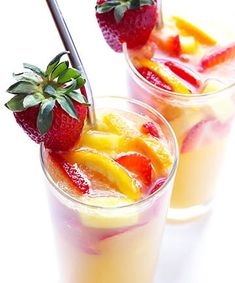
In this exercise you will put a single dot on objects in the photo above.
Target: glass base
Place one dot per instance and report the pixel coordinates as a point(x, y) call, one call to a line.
point(182, 215)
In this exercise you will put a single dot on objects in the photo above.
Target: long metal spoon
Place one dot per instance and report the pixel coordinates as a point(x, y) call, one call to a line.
point(73, 53)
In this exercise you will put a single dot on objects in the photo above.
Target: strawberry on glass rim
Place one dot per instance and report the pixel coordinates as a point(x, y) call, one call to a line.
point(129, 21)
point(49, 105)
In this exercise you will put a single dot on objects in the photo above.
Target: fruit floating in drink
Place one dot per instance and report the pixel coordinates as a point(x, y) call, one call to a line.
point(109, 186)
point(188, 76)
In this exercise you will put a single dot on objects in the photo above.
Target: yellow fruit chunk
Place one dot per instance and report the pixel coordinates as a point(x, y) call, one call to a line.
point(111, 219)
point(109, 168)
point(102, 141)
point(222, 107)
point(195, 31)
point(156, 151)
point(188, 44)
point(120, 125)
point(165, 74)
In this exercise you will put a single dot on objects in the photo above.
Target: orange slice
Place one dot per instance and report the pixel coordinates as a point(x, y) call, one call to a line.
point(165, 74)
point(107, 167)
point(156, 151)
point(193, 30)
point(119, 125)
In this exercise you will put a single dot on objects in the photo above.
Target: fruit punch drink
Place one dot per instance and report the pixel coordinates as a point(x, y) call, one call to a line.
point(188, 75)
point(109, 195)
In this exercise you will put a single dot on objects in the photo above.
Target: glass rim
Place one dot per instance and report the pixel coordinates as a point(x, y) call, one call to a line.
point(140, 202)
point(180, 96)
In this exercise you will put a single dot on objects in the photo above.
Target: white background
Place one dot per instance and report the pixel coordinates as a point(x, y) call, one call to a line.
point(201, 252)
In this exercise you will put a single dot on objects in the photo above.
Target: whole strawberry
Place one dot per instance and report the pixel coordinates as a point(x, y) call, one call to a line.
point(47, 104)
point(129, 21)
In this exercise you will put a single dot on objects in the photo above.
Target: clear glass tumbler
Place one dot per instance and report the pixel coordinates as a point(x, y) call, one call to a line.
point(124, 246)
point(202, 122)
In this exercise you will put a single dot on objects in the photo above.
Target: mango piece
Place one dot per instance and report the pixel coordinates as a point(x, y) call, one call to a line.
point(113, 219)
point(165, 74)
point(193, 30)
point(188, 44)
point(109, 168)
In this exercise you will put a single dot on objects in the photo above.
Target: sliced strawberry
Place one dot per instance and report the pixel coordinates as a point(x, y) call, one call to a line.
point(138, 164)
point(203, 133)
point(153, 129)
point(71, 173)
point(169, 43)
point(185, 73)
point(154, 78)
point(218, 56)
point(160, 181)
point(173, 45)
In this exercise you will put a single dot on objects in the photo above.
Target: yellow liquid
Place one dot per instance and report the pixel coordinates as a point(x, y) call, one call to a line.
point(108, 244)
point(195, 182)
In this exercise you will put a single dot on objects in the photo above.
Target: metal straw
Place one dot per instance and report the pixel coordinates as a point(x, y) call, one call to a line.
point(73, 53)
point(159, 13)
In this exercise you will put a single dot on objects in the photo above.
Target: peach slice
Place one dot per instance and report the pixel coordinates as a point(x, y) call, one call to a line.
point(193, 30)
point(109, 168)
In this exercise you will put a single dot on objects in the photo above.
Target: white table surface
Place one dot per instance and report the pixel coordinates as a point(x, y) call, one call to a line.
point(201, 252)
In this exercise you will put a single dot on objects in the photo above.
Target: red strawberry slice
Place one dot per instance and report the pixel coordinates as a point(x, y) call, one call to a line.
point(125, 21)
point(71, 174)
point(218, 56)
point(160, 181)
point(138, 164)
point(153, 78)
point(184, 73)
point(172, 45)
point(203, 133)
point(168, 43)
point(153, 129)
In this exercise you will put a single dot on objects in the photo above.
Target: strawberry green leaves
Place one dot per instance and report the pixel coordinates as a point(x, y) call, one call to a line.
point(45, 115)
point(57, 86)
point(34, 69)
point(16, 103)
point(66, 104)
point(54, 62)
point(22, 87)
point(23, 101)
point(60, 68)
point(121, 6)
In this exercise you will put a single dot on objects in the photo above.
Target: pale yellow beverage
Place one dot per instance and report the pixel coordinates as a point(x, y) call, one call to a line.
point(109, 196)
point(186, 71)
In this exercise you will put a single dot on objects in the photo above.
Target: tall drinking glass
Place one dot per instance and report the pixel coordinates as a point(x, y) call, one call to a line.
point(111, 244)
point(202, 119)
